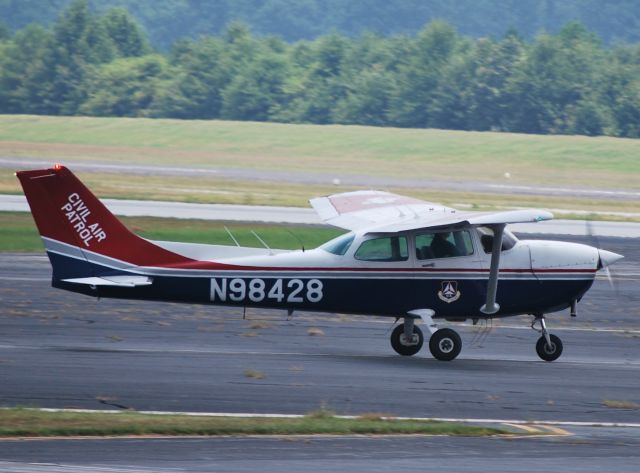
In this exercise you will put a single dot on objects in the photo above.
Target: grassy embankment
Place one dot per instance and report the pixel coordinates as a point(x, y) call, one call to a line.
point(329, 151)
point(19, 233)
point(33, 423)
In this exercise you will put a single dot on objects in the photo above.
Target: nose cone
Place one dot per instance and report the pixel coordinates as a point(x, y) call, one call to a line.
point(607, 258)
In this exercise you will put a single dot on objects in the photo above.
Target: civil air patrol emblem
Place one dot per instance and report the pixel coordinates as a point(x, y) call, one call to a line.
point(449, 292)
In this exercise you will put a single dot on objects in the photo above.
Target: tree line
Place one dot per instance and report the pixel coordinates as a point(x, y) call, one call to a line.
point(166, 21)
point(101, 64)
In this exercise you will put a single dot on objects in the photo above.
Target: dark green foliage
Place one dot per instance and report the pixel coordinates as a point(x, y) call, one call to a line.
point(23, 71)
point(46, 71)
point(124, 87)
point(100, 63)
point(166, 21)
point(126, 35)
point(5, 33)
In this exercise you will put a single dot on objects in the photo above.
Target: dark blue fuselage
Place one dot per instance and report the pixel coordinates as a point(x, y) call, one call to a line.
point(330, 291)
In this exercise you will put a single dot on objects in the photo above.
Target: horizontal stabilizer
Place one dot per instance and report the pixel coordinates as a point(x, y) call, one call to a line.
point(121, 281)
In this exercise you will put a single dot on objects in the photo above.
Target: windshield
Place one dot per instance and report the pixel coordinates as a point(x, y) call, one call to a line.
point(340, 245)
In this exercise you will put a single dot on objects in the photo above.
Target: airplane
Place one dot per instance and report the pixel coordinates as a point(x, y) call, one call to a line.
point(401, 257)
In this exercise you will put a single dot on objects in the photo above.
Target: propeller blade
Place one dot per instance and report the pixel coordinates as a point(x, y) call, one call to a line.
point(606, 258)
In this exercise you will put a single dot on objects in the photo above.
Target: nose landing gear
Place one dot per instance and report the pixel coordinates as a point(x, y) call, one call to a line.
point(549, 346)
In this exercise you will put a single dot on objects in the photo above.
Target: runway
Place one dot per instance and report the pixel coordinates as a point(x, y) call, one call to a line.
point(59, 349)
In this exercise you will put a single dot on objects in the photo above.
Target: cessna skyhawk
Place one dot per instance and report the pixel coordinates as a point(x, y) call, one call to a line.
point(401, 257)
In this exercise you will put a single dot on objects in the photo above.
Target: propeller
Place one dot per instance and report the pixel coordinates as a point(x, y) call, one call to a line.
point(606, 258)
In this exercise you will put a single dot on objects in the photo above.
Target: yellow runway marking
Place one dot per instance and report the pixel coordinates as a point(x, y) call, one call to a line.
point(527, 428)
point(556, 430)
point(540, 429)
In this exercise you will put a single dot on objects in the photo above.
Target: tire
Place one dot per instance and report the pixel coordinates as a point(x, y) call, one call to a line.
point(445, 344)
point(549, 353)
point(398, 341)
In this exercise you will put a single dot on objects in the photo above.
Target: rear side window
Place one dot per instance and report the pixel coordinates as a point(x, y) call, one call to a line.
point(433, 245)
point(383, 249)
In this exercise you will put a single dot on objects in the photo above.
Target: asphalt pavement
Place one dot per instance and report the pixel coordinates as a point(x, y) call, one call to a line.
point(59, 349)
point(586, 450)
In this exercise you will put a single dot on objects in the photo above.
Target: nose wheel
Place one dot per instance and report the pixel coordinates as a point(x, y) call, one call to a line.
point(549, 346)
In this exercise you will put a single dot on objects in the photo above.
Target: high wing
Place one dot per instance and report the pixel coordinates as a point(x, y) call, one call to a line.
point(364, 209)
point(384, 212)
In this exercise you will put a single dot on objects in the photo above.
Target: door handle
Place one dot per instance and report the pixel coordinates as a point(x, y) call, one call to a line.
point(428, 265)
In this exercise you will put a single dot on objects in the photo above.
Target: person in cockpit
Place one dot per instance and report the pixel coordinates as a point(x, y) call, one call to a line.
point(442, 247)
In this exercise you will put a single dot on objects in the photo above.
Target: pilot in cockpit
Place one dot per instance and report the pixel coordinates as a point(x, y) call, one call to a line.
point(442, 247)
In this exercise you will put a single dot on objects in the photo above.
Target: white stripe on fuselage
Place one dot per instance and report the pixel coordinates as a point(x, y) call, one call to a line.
point(71, 251)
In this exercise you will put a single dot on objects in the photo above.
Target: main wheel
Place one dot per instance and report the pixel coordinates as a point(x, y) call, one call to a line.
point(549, 353)
point(404, 347)
point(445, 344)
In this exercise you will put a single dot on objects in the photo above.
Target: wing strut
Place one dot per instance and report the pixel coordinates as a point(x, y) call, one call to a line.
point(491, 306)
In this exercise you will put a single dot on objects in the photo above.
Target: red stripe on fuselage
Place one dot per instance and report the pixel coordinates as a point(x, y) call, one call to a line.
point(208, 265)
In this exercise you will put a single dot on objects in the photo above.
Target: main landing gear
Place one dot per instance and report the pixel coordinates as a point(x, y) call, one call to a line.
point(445, 344)
point(407, 339)
point(549, 346)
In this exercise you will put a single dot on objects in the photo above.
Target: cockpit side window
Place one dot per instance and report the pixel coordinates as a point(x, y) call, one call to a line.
point(486, 239)
point(340, 245)
point(432, 245)
point(383, 249)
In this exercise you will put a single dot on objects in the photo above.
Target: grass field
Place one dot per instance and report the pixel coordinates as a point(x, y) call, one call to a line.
point(33, 423)
point(18, 232)
point(333, 151)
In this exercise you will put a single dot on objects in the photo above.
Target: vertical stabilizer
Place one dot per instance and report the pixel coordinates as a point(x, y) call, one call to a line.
point(72, 220)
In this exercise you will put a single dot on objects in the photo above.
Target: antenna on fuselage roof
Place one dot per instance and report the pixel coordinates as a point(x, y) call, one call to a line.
point(231, 235)
point(262, 241)
point(296, 237)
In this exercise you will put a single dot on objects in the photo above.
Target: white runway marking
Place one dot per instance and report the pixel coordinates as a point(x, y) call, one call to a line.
point(14, 467)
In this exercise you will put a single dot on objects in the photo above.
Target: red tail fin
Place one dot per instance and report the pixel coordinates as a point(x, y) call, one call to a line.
point(66, 211)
